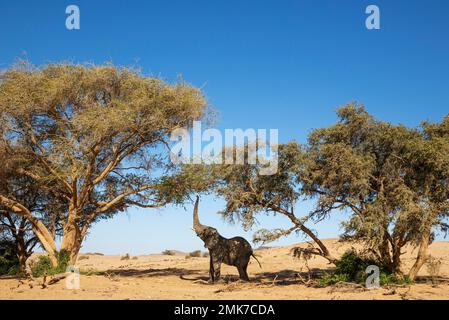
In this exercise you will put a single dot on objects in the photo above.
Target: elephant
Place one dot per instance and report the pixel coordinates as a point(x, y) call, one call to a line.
point(234, 251)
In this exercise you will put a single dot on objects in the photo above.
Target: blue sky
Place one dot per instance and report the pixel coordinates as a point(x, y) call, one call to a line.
point(262, 64)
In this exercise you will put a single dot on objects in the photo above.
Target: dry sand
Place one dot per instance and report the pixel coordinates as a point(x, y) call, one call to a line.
point(158, 277)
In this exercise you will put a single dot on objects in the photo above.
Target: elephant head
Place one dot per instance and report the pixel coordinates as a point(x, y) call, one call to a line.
point(209, 235)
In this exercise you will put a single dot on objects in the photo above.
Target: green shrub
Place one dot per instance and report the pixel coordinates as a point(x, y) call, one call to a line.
point(330, 279)
point(351, 268)
point(9, 263)
point(43, 265)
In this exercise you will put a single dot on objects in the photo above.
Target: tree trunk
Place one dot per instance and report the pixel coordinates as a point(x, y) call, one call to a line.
point(39, 229)
point(49, 246)
point(422, 256)
point(72, 238)
point(325, 252)
point(75, 251)
point(396, 260)
point(22, 253)
point(385, 254)
point(23, 257)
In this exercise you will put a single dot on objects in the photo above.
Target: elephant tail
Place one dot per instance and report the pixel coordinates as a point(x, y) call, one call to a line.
point(252, 254)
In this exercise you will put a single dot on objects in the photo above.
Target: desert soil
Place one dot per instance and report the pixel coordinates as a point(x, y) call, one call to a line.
point(159, 277)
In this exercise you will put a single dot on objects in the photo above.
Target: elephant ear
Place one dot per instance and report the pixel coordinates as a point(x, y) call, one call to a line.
point(211, 237)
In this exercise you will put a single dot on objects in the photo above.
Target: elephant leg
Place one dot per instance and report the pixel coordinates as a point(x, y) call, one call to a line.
point(211, 269)
point(214, 270)
point(243, 275)
point(217, 270)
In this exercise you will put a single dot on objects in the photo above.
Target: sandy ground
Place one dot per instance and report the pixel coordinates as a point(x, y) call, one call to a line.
point(158, 277)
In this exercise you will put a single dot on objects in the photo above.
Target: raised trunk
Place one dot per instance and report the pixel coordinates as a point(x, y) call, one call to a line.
point(422, 256)
point(197, 226)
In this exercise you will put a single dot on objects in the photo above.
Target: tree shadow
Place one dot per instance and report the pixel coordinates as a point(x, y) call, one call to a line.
point(289, 277)
point(282, 277)
point(429, 279)
point(13, 277)
point(149, 273)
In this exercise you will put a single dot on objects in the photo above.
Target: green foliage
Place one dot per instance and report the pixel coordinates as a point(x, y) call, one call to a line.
point(332, 278)
point(392, 182)
point(106, 127)
point(9, 263)
point(351, 268)
point(43, 265)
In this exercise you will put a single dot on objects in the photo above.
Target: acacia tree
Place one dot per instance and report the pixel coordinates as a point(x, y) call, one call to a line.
point(430, 179)
point(248, 193)
point(391, 179)
point(95, 136)
point(16, 229)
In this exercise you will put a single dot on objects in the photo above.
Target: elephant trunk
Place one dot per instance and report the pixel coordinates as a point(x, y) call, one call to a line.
point(197, 226)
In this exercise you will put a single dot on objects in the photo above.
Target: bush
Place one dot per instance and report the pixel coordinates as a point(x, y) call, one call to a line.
point(168, 253)
point(9, 263)
point(330, 279)
point(125, 257)
point(84, 257)
point(44, 267)
point(195, 254)
point(351, 268)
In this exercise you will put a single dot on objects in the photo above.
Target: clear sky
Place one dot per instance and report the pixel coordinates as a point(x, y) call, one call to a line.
point(285, 65)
